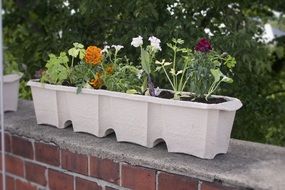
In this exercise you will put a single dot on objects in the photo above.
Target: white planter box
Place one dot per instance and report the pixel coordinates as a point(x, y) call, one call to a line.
point(202, 130)
point(11, 91)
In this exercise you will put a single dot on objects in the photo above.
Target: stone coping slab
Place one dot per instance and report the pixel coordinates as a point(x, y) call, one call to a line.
point(247, 164)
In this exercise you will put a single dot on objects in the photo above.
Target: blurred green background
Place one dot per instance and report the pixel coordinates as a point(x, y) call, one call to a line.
point(33, 29)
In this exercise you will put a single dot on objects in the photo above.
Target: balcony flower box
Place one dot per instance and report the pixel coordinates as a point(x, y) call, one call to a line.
point(198, 129)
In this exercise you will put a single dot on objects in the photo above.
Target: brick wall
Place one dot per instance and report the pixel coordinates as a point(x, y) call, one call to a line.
point(33, 165)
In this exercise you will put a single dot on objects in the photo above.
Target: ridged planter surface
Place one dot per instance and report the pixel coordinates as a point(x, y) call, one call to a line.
point(11, 91)
point(198, 129)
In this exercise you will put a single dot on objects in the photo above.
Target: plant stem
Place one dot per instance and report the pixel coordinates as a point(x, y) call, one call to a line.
point(184, 83)
point(174, 65)
point(169, 79)
point(181, 79)
point(72, 60)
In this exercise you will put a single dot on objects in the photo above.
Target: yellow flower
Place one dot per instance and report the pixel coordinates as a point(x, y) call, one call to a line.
point(97, 82)
point(93, 55)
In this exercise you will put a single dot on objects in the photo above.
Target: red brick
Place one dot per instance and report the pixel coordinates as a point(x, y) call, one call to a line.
point(47, 153)
point(10, 183)
point(59, 181)
point(82, 184)
point(105, 169)
point(21, 185)
point(7, 142)
point(168, 181)
point(14, 165)
point(214, 186)
point(22, 147)
point(138, 178)
point(36, 173)
point(74, 162)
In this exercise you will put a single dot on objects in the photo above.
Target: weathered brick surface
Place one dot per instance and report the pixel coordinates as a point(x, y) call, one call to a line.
point(168, 181)
point(74, 162)
point(59, 181)
point(10, 183)
point(22, 185)
point(47, 153)
point(105, 169)
point(82, 184)
point(36, 173)
point(22, 147)
point(47, 167)
point(14, 165)
point(138, 178)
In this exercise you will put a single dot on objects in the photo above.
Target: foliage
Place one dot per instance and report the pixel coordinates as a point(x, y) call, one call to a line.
point(57, 69)
point(124, 79)
point(80, 75)
point(10, 63)
point(34, 29)
point(147, 59)
point(179, 78)
point(205, 72)
point(118, 74)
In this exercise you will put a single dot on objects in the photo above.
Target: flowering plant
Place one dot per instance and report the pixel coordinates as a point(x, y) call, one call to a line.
point(205, 71)
point(92, 68)
point(147, 58)
point(199, 71)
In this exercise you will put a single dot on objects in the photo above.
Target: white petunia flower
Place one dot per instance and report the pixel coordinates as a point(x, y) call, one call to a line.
point(117, 47)
point(105, 50)
point(138, 41)
point(155, 42)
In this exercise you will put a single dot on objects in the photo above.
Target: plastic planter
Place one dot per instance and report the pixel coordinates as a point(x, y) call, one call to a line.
point(11, 91)
point(198, 129)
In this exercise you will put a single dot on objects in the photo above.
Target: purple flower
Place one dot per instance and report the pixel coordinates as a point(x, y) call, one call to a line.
point(203, 45)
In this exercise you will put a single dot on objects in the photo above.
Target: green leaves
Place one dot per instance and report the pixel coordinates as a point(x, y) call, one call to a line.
point(230, 62)
point(124, 79)
point(78, 49)
point(145, 60)
point(57, 69)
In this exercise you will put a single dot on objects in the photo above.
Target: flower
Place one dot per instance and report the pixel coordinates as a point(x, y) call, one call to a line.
point(138, 41)
point(155, 42)
point(117, 47)
point(97, 82)
point(93, 55)
point(105, 50)
point(203, 45)
point(109, 69)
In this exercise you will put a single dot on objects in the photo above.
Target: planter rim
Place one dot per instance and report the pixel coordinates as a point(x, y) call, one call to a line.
point(10, 78)
point(232, 104)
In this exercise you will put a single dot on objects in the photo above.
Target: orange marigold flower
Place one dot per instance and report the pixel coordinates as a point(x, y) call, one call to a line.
point(109, 70)
point(97, 82)
point(93, 55)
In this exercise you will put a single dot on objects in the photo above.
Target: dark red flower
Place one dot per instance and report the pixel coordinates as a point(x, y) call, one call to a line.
point(203, 45)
